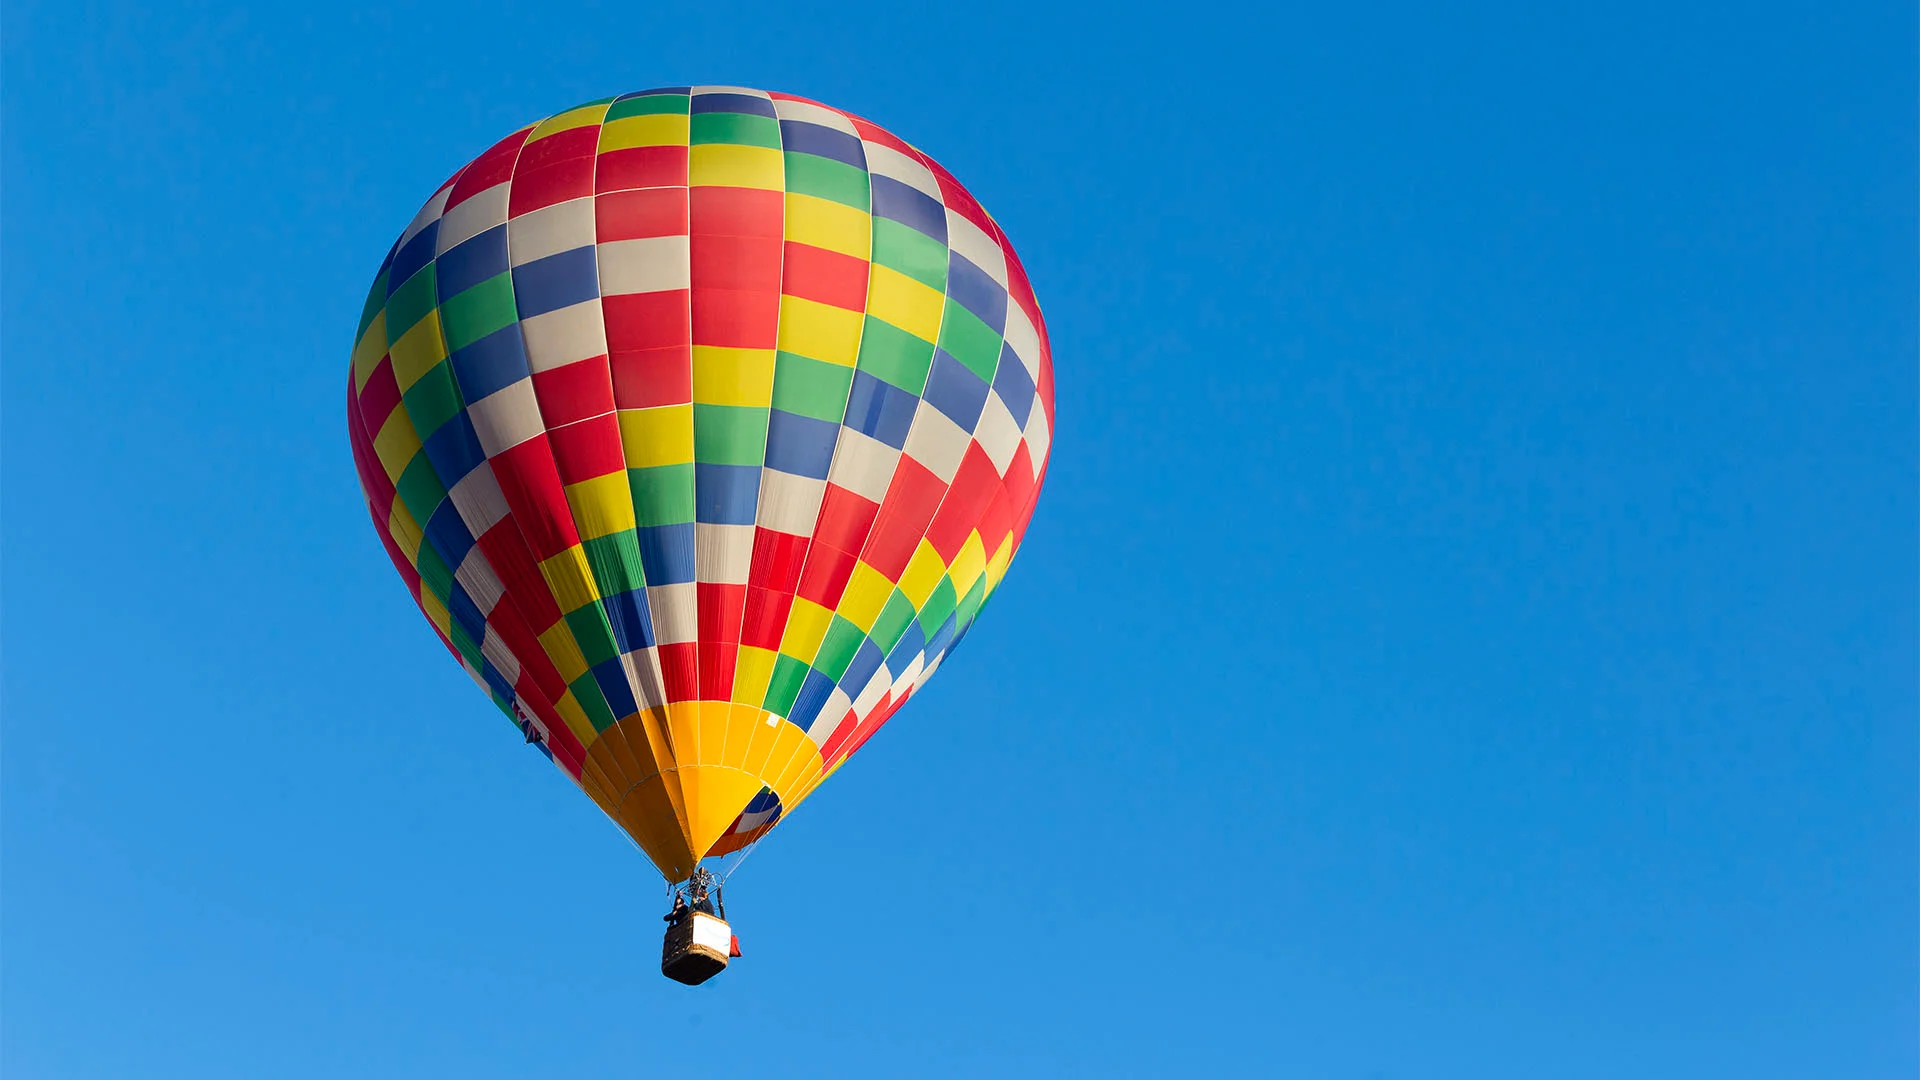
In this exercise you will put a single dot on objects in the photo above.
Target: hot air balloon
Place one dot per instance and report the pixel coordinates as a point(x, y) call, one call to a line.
point(701, 423)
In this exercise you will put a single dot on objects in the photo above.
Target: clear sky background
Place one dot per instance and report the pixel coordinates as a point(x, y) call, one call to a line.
point(1469, 630)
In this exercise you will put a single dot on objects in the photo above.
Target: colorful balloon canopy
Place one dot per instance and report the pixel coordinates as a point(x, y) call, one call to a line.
point(701, 422)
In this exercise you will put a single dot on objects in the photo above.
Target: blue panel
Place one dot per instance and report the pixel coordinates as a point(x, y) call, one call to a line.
point(471, 262)
point(942, 637)
point(494, 362)
point(800, 445)
point(879, 409)
point(611, 677)
point(909, 206)
point(865, 662)
point(909, 646)
point(417, 253)
point(805, 138)
point(762, 802)
point(632, 619)
point(496, 682)
point(734, 103)
point(448, 535)
point(956, 391)
point(465, 613)
point(454, 450)
point(977, 291)
point(724, 494)
point(666, 553)
point(656, 90)
point(811, 699)
point(557, 281)
point(1014, 385)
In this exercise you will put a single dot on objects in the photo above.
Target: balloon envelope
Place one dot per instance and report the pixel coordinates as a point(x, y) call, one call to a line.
point(701, 422)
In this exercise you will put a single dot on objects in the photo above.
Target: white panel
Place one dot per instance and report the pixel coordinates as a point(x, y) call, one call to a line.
point(643, 675)
point(676, 612)
point(506, 418)
point(428, 215)
point(565, 336)
point(863, 465)
point(1024, 339)
point(481, 212)
point(877, 686)
point(747, 90)
point(886, 161)
point(650, 264)
point(476, 576)
point(936, 442)
point(502, 658)
point(809, 113)
point(927, 673)
point(479, 499)
point(723, 553)
point(904, 685)
point(998, 433)
point(1039, 437)
point(789, 503)
point(830, 717)
point(980, 249)
point(550, 230)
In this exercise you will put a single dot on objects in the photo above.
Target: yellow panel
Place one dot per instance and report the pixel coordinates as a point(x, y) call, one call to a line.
point(806, 625)
point(683, 727)
point(904, 302)
point(823, 223)
point(570, 579)
point(743, 725)
point(395, 444)
point(722, 165)
point(821, 331)
point(569, 709)
point(369, 349)
point(713, 731)
point(657, 436)
point(968, 563)
point(560, 647)
point(662, 130)
point(751, 673)
point(766, 738)
point(601, 505)
point(922, 574)
point(867, 592)
point(715, 795)
point(997, 566)
point(584, 116)
point(418, 350)
point(407, 534)
point(802, 767)
point(436, 611)
point(723, 376)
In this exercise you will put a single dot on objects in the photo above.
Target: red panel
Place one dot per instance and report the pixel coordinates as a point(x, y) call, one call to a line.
point(574, 392)
point(632, 215)
point(1026, 515)
point(532, 486)
point(996, 522)
point(556, 183)
point(1045, 386)
point(652, 377)
point(716, 671)
point(825, 276)
point(777, 558)
point(653, 320)
point(738, 320)
point(1021, 290)
point(731, 211)
point(765, 619)
point(719, 609)
point(587, 449)
point(842, 735)
point(873, 132)
point(973, 485)
point(959, 199)
point(747, 263)
point(679, 671)
point(1019, 478)
point(490, 168)
point(911, 500)
point(642, 167)
point(506, 551)
point(562, 146)
point(825, 577)
point(845, 518)
point(379, 396)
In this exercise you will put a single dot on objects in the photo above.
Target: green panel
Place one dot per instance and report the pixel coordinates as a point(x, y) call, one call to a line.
point(825, 178)
point(890, 353)
point(738, 129)
point(615, 560)
point(410, 303)
point(593, 633)
point(969, 340)
point(436, 578)
point(432, 400)
point(464, 644)
point(970, 603)
point(420, 489)
point(592, 701)
point(813, 388)
point(729, 434)
point(836, 652)
point(910, 251)
point(893, 622)
point(478, 311)
point(650, 105)
point(662, 495)
point(376, 303)
point(788, 674)
point(939, 606)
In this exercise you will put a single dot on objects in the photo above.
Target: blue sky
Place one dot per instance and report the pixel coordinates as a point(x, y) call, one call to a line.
point(1469, 631)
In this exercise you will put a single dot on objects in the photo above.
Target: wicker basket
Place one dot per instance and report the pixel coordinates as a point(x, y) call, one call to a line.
point(696, 949)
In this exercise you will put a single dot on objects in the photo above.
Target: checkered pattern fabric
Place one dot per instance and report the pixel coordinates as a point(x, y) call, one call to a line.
point(701, 422)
